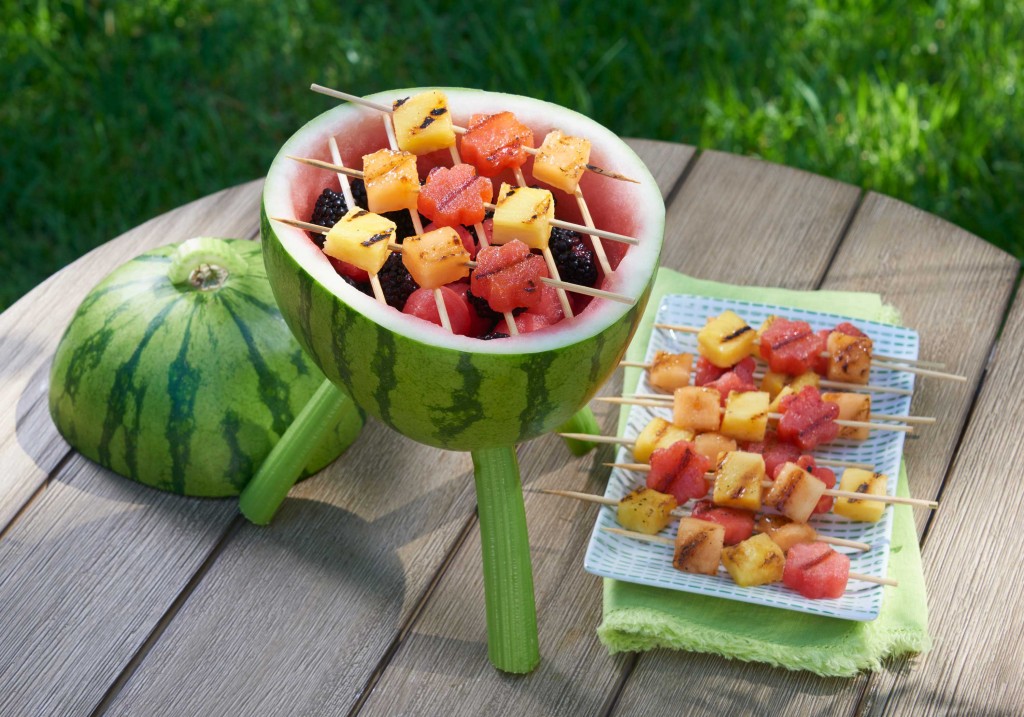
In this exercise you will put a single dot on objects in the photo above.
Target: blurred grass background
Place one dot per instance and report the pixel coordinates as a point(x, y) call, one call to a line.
point(112, 112)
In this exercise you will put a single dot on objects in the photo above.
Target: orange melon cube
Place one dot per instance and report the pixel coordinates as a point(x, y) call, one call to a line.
point(697, 408)
point(698, 546)
point(795, 493)
point(361, 238)
point(852, 407)
point(670, 371)
point(392, 182)
point(523, 213)
point(436, 258)
point(712, 445)
point(423, 123)
point(849, 358)
point(561, 160)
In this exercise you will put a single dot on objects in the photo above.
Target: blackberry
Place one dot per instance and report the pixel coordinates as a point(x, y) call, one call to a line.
point(482, 308)
point(574, 259)
point(403, 222)
point(493, 335)
point(396, 281)
point(331, 206)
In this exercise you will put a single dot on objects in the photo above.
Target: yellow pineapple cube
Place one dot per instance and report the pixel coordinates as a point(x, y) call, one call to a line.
point(738, 481)
point(561, 160)
point(712, 445)
point(746, 415)
point(646, 511)
point(436, 258)
point(523, 213)
point(726, 339)
point(808, 378)
point(795, 492)
point(697, 408)
point(755, 350)
point(856, 480)
point(776, 403)
point(670, 371)
point(755, 561)
point(423, 123)
point(785, 532)
point(392, 182)
point(773, 383)
point(849, 358)
point(852, 407)
point(659, 433)
point(698, 546)
point(361, 238)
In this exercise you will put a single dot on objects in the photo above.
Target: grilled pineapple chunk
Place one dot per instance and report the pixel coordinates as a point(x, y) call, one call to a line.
point(670, 371)
point(755, 561)
point(726, 340)
point(712, 445)
point(785, 532)
point(436, 258)
point(738, 481)
point(746, 415)
point(776, 403)
point(697, 408)
point(795, 492)
point(807, 378)
point(773, 383)
point(856, 480)
point(698, 546)
point(561, 160)
point(755, 350)
point(659, 433)
point(646, 511)
point(849, 358)
point(523, 213)
point(392, 182)
point(852, 407)
point(423, 123)
point(361, 238)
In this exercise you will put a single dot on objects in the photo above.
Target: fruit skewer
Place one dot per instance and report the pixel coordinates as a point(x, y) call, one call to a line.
point(549, 258)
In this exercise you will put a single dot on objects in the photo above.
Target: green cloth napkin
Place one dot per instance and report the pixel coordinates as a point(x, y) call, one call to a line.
point(638, 617)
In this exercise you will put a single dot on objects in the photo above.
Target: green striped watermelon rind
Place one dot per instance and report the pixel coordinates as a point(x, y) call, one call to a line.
point(184, 391)
point(447, 391)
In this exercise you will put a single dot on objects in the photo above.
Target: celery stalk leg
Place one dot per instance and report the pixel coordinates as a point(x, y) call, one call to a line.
point(582, 422)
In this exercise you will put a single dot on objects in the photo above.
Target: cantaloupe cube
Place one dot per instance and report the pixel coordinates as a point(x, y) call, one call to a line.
point(852, 407)
point(785, 532)
point(670, 371)
point(646, 511)
point(698, 546)
point(773, 383)
point(849, 358)
point(726, 340)
point(738, 481)
point(755, 561)
point(658, 433)
point(856, 480)
point(795, 492)
point(423, 123)
point(712, 445)
point(361, 238)
point(392, 182)
point(746, 415)
point(523, 213)
point(561, 160)
point(697, 408)
point(436, 258)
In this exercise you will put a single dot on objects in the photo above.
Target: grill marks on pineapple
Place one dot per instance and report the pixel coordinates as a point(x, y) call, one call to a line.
point(685, 550)
point(736, 334)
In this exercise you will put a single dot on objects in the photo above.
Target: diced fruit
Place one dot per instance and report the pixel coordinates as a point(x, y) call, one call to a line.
point(746, 415)
point(361, 239)
point(712, 445)
point(852, 407)
point(816, 571)
point(561, 160)
point(849, 358)
point(679, 470)
point(423, 123)
point(845, 327)
point(785, 532)
point(807, 421)
point(795, 493)
point(856, 480)
point(726, 339)
point(790, 347)
point(646, 511)
point(549, 306)
point(670, 371)
point(738, 524)
point(776, 405)
point(659, 433)
point(467, 239)
point(755, 561)
point(755, 350)
point(807, 378)
point(436, 258)
point(698, 546)
point(422, 304)
point(392, 182)
point(738, 481)
point(739, 378)
point(697, 408)
point(456, 196)
point(526, 322)
point(774, 452)
point(825, 475)
point(773, 383)
point(495, 142)
point(509, 276)
point(523, 213)
point(706, 372)
point(573, 257)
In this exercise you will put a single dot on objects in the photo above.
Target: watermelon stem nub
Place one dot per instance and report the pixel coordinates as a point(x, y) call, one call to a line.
point(583, 421)
point(512, 642)
point(203, 263)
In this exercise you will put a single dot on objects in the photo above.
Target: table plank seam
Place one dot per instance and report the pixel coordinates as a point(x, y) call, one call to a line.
point(40, 489)
point(844, 232)
point(670, 196)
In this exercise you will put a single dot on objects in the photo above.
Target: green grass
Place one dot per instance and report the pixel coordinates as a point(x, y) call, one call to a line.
point(110, 116)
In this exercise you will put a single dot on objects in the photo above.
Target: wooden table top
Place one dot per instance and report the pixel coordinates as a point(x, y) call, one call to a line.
point(365, 595)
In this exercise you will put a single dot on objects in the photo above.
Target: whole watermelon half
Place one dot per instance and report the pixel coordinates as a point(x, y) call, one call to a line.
point(178, 371)
point(449, 391)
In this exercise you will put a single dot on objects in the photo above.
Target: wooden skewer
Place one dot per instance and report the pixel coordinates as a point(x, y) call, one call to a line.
point(679, 513)
point(661, 540)
point(602, 257)
point(549, 259)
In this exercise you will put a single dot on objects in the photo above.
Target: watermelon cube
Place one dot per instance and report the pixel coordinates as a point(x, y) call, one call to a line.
point(825, 475)
point(706, 372)
point(857, 480)
point(658, 433)
point(508, 277)
point(456, 196)
point(423, 123)
point(726, 339)
point(698, 546)
point(670, 371)
point(422, 304)
point(495, 142)
point(795, 493)
point(392, 182)
point(646, 511)
point(807, 421)
point(436, 258)
point(523, 213)
point(740, 378)
point(697, 408)
point(561, 160)
point(679, 470)
point(755, 561)
point(738, 524)
point(774, 452)
point(790, 347)
point(738, 479)
point(816, 571)
point(361, 238)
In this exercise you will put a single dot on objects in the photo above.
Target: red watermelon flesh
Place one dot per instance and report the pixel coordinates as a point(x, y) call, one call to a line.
point(421, 303)
point(454, 196)
point(495, 142)
point(738, 524)
point(706, 372)
point(825, 475)
point(352, 271)
point(849, 329)
point(527, 322)
point(679, 470)
point(739, 378)
point(790, 347)
point(549, 306)
point(776, 453)
point(816, 571)
point(821, 362)
point(807, 421)
point(509, 276)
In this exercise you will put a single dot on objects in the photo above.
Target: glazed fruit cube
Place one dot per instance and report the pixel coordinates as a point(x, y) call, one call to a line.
point(495, 142)
point(646, 511)
point(454, 197)
point(712, 445)
point(785, 532)
point(698, 546)
point(849, 358)
point(807, 421)
point(773, 382)
point(816, 571)
point(391, 181)
point(856, 480)
point(776, 405)
point(807, 378)
point(509, 277)
point(436, 258)
point(423, 123)
point(670, 371)
point(795, 493)
point(790, 347)
point(523, 213)
point(738, 481)
point(697, 408)
point(755, 350)
point(361, 239)
point(659, 433)
point(726, 339)
point(738, 524)
point(746, 415)
point(680, 471)
point(561, 160)
point(852, 407)
point(755, 561)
